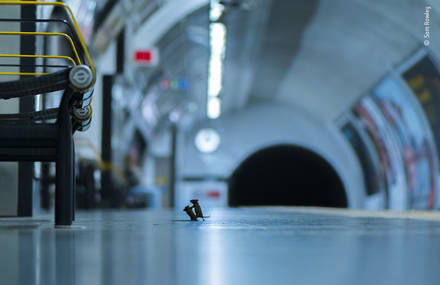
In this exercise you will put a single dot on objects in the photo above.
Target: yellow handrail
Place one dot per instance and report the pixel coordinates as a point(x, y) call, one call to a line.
point(40, 56)
point(47, 34)
point(62, 5)
point(22, 73)
point(34, 56)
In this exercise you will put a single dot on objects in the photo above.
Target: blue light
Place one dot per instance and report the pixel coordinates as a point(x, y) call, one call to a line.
point(183, 84)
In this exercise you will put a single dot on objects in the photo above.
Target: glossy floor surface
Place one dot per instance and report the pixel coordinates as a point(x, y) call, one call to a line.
point(234, 246)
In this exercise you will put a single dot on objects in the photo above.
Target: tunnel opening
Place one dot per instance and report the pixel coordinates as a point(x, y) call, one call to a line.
point(286, 175)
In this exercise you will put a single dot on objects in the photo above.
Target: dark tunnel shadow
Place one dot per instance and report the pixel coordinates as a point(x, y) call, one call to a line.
point(286, 175)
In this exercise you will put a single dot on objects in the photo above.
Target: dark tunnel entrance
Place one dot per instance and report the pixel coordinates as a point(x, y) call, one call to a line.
point(286, 175)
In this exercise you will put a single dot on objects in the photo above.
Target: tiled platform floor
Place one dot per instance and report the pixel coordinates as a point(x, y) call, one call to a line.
point(234, 246)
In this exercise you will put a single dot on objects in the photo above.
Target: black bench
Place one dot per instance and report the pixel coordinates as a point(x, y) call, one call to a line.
point(47, 135)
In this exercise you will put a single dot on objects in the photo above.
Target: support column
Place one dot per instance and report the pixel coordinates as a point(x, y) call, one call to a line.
point(27, 104)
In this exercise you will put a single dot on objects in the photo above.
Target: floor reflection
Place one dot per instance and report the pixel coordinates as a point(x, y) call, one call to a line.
point(234, 246)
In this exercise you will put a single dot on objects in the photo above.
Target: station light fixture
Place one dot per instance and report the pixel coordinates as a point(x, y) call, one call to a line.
point(214, 107)
point(217, 42)
point(207, 140)
point(216, 10)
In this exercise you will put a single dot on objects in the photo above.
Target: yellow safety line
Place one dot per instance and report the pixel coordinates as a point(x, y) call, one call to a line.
point(40, 56)
point(47, 34)
point(63, 5)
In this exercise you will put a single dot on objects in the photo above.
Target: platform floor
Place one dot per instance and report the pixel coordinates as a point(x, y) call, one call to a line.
point(234, 246)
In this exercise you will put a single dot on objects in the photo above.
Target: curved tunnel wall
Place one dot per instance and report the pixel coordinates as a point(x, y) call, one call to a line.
point(261, 126)
point(321, 70)
point(286, 175)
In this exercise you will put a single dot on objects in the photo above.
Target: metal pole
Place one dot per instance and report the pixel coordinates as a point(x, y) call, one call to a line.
point(173, 165)
point(106, 140)
point(26, 169)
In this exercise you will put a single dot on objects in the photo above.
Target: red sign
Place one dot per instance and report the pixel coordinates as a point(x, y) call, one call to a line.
point(147, 56)
point(213, 194)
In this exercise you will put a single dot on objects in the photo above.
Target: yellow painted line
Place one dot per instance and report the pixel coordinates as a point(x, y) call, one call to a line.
point(75, 52)
point(352, 213)
point(75, 24)
point(40, 56)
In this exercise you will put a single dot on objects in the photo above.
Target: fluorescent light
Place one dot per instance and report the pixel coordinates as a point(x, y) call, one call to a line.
point(218, 43)
point(215, 75)
point(214, 107)
point(218, 38)
point(215, 78)
point(216, 10)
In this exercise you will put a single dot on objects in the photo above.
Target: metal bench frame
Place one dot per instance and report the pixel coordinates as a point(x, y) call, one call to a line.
point(47, 135)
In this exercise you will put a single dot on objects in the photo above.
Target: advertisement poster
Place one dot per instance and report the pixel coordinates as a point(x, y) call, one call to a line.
point(414, 141)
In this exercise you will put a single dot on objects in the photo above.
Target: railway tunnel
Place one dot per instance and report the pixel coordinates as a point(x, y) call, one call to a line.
point(286, 175)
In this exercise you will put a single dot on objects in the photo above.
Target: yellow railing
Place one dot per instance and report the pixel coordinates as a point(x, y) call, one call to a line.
point(75, 24)
point(34, 56)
